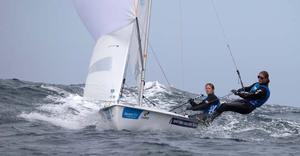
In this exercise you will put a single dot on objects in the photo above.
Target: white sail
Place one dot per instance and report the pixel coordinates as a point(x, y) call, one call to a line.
point(105, 16)
point(134, 64)
point(107, 66)
point(113, 24)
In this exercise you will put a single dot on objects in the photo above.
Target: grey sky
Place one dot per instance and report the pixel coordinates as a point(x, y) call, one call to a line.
point(46, 41)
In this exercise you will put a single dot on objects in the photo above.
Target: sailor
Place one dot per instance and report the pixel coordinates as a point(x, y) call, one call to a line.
point(207, 106)
point(252, 97)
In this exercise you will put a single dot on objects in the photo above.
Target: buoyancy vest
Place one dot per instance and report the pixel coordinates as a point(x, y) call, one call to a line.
point(259, 102)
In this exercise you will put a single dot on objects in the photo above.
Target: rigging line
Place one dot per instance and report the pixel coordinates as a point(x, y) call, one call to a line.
point(227, 42)
point(148, 100)
point(145, 99)
point(160, 66)
point(181, 43)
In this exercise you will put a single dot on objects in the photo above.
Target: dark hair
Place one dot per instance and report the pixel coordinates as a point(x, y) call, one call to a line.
point(266, 75)
point(211, 85)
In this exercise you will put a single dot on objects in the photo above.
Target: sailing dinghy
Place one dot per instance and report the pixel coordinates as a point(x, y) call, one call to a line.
point(121, 29)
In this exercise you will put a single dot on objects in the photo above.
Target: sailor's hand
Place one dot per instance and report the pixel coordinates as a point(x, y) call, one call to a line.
point(191, 101)
point(235, 92)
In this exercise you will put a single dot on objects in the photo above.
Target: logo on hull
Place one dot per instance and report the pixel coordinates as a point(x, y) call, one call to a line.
point(131, 113)
point(146, 115)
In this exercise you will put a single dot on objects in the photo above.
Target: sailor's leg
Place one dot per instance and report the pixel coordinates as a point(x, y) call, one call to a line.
point(239, 106)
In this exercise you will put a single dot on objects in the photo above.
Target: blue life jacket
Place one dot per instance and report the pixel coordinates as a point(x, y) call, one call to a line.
point(259, 102)
point(212, 108)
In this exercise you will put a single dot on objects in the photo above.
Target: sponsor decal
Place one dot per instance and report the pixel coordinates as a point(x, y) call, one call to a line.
point(146, 115)
point(114, 46)
point(112, 91)
point(131, 113)
point(183, 122)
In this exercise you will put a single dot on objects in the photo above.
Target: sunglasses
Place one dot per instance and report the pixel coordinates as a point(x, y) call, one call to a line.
point(260, 77)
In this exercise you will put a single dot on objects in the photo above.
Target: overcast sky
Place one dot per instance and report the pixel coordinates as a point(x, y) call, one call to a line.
point(46, 41)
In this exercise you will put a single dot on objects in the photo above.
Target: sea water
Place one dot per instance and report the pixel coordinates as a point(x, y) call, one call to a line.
point(47, 119)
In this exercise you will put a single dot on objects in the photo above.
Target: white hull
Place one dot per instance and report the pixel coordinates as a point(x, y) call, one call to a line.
point(128, 117)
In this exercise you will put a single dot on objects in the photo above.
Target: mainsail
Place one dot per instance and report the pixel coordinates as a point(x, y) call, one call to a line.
point(120, 28)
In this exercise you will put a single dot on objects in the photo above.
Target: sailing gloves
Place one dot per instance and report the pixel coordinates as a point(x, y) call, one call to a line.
point(240, 93)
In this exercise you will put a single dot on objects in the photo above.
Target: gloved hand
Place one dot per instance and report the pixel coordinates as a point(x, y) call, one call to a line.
point(191, 101)
point(235, 92)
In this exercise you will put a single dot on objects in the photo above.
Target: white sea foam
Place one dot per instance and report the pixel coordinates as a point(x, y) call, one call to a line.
point(71, 112)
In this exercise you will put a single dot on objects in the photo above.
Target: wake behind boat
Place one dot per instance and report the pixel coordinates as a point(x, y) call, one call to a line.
point(120, 54)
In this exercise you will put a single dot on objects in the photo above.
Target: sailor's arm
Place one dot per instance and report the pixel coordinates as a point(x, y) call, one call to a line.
point(246, 89)
point(192, 102)
point(203, 105)
point(260, 93)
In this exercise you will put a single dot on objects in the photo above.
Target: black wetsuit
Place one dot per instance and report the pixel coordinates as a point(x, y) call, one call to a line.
point(247, 104)
point(205, 104)
point(208, 107)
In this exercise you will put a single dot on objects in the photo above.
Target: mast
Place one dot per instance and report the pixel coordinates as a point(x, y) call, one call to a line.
point(144, 55)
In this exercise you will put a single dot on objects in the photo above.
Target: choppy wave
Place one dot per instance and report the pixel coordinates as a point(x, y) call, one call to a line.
point(63, 106)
